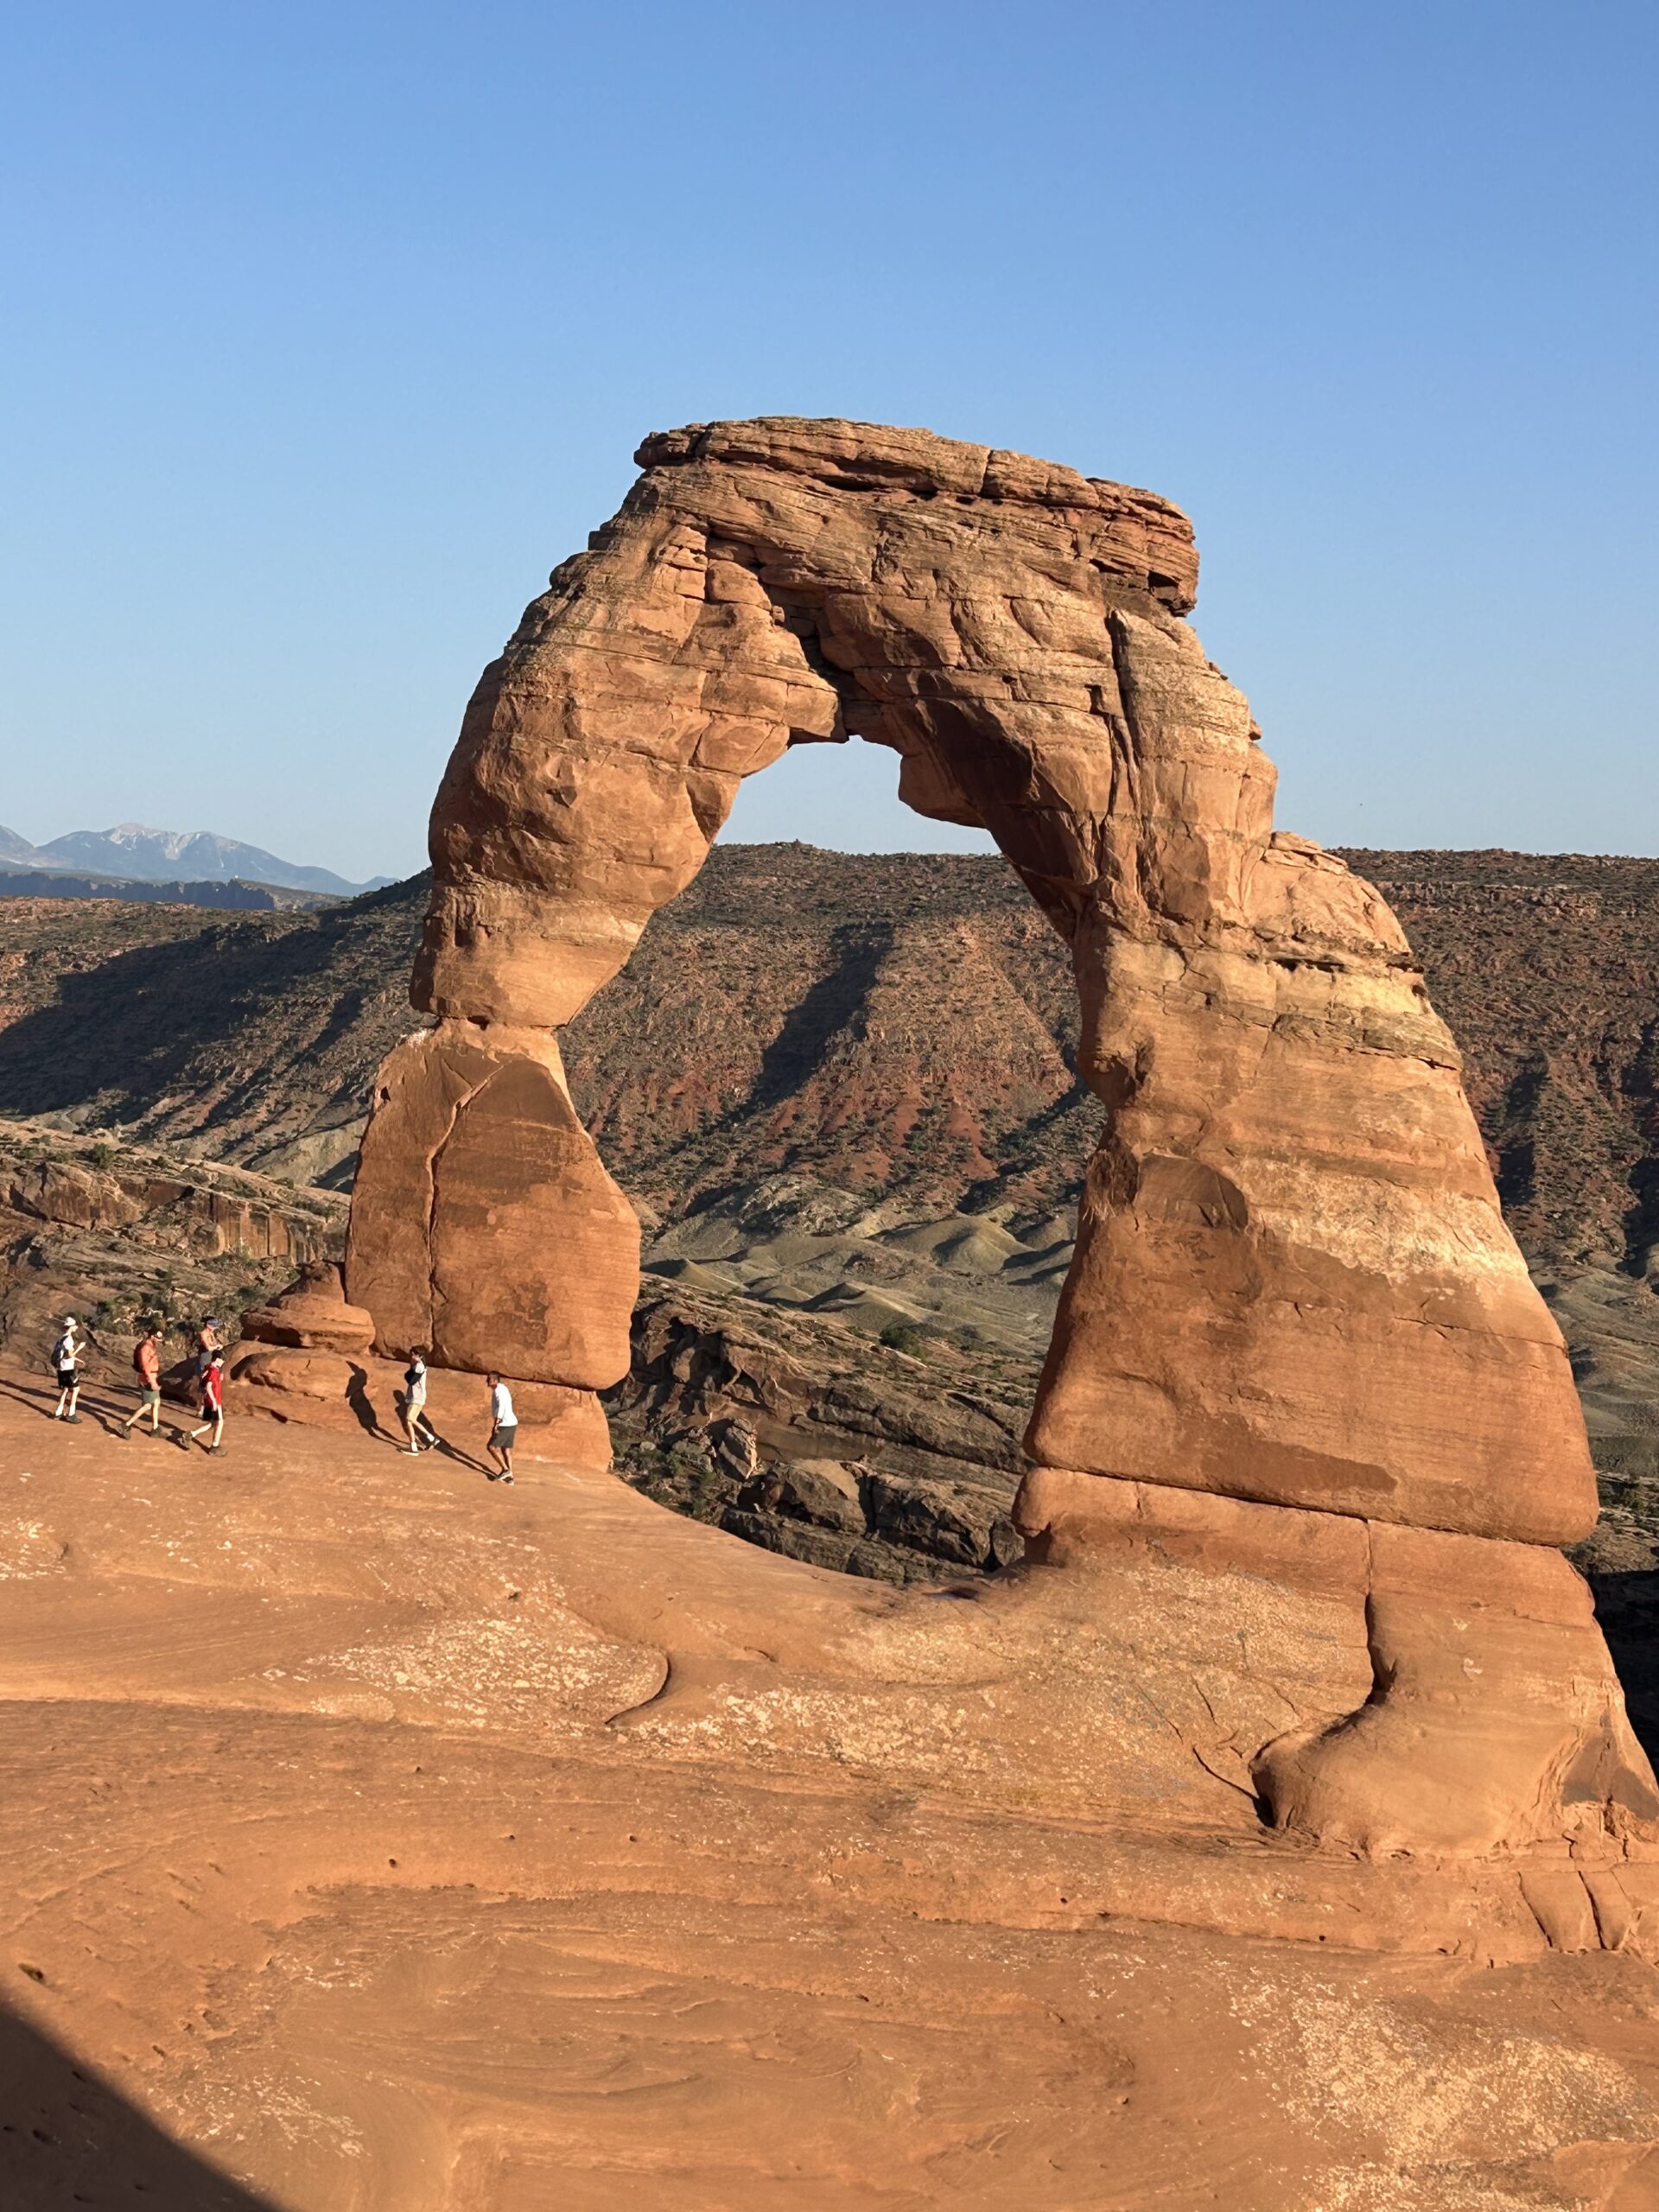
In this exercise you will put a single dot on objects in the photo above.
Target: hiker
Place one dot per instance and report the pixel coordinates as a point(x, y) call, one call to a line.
point(503, 1427)
point(65, 1359)
point(208, 1341)
point(412, 1408)
point(147, 1365)
point(213, 1403)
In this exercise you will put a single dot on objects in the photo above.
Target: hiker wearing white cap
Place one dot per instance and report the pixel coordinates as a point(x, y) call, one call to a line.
point(65, 1359)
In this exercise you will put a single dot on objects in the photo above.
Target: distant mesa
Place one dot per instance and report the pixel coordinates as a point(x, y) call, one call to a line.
point(192, 867)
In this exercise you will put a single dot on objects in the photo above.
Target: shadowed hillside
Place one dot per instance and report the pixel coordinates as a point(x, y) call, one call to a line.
point(250, 1037)
point(895, 1025)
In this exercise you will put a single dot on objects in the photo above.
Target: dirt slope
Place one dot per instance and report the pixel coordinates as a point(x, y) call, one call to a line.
point(247, 1038)
point(893, 1026)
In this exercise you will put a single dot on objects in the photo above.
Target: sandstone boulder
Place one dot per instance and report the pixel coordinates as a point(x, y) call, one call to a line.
point(312, 1314)
point(310, 1357)
point(510, 1249)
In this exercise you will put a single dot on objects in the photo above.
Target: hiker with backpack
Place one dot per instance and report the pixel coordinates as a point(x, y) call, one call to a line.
point(65, 1362)
point(411, 1408)
point(147, 1366)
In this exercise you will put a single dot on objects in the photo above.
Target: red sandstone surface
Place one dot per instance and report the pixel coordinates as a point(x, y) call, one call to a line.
point(379, 1841)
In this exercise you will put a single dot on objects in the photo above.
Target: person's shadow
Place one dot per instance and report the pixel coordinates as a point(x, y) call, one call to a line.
point(462, 1459)
point(362, 1405)
point(41, 1398)
point(67, 2137)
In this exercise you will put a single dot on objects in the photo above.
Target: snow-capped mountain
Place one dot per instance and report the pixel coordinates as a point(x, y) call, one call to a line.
point(163, 855)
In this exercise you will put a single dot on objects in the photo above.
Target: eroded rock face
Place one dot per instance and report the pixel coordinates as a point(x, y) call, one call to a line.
point(505, 1212)
point(1292, 1284)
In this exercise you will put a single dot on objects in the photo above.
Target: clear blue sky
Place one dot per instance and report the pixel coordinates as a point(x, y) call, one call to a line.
point(330, 328)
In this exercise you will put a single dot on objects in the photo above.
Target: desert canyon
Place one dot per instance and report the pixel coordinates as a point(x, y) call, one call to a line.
point(1259, 1824)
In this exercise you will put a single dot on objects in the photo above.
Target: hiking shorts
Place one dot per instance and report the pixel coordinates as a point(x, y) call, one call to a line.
point(150, 1394)
point(68, 1378)
point(503, 1438)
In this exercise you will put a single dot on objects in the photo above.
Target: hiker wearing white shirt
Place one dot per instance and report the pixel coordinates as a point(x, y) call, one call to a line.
point(412, 1406)
point(505, 1427)
point(66, 1360)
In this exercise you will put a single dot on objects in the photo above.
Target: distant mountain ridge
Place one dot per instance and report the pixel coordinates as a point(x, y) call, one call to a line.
point(132, 850)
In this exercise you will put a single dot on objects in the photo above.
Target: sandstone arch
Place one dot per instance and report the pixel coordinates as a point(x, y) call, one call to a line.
point(1294, 1286)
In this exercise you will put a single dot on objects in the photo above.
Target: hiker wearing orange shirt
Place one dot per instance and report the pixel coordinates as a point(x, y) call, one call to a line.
point(147, 1365)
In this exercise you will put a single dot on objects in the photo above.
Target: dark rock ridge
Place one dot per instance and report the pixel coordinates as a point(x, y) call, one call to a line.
point(811, 1440)
point(232, 892)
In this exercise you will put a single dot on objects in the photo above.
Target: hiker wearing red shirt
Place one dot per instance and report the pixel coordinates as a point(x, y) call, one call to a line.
point(147, 1365)
point(213, 1404)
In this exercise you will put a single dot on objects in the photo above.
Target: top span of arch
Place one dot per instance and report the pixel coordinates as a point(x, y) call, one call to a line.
point(1144, 539)
point(1001, 623)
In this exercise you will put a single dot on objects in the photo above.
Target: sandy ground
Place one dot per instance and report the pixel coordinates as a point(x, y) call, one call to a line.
point(376, 1839)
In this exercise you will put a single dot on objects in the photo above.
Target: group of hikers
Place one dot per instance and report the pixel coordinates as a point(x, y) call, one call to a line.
point(207, 1382)
point(206, 1379)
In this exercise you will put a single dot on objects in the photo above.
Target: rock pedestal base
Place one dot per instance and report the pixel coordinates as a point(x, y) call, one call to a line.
point(1489, 1719)
point(308, 1356)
